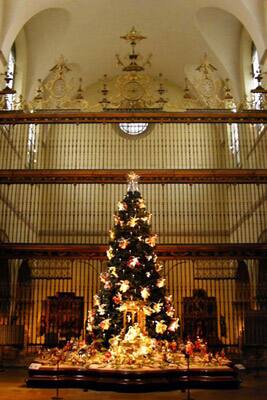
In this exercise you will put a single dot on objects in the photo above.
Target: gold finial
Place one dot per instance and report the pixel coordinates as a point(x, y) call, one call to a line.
point(161, 90)
point(227, 90)
point(228, 99)
point(133, 182)
point(205, 66)
point(7, 90)
point(39, 93)
point(259, 89)
point(79, 95)
point(187, 94)
point(133, 36)
point(104, 102)
point(61, 66)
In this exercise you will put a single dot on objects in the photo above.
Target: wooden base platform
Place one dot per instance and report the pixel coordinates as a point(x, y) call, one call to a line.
point(132, 380)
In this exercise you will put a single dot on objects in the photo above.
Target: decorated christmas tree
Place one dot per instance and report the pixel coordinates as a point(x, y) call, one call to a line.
point(132, 323)
point(132, 299)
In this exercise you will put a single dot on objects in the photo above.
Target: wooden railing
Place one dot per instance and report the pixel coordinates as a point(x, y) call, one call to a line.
point(164, 251)
point(113, 176)
point(195, 116)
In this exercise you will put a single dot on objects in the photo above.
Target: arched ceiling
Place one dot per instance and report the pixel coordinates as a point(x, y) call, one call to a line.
point(87, 33)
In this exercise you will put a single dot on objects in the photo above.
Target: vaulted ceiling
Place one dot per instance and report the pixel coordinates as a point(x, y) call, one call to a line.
point(87, 33)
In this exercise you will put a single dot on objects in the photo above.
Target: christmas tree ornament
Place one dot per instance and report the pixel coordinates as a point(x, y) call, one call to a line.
point(160, 282)
point(161, 327)
point(105, 324)
point(174, 325)
point(122, 206)
point(96, 300)
point(133, 222)
point(145, 293)
point(90, 321)
point(147, 218)
point(148, 310)
point(116, 219)
point(107, 285)
point(170, 312)
point(101, 309)
point(113, 272)
point(117, 299)
point(104, 277)
point(141, 203)
point(169, 306)
point(159, 267)
point(110, 254)
point(168, 298)
point(151, 240)
point(123, 243)
point(133, 262)
point(157, 307)
point(123, 307)
point(124, 286)
point(112, 234)
point(148, 274)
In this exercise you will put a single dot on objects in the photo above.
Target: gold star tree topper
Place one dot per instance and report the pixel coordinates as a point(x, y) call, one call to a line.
point(133, 182)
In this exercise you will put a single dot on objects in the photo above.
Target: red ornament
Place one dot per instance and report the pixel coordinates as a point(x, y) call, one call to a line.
point(133, 262)
point(117, 299)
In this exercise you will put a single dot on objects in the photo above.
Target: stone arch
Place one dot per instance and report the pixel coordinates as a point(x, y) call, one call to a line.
point(17, 33)
point(223, 42)
point(51, 26)
point(248, 14)
point(221, 26)
point(17, 16)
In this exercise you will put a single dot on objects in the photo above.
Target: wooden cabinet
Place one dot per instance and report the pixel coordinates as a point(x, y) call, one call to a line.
point(62, 318)
point(200, 317)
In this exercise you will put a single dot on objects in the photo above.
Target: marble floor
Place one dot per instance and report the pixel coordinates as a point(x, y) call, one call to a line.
point(12, 387)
